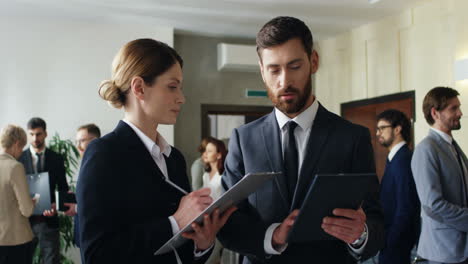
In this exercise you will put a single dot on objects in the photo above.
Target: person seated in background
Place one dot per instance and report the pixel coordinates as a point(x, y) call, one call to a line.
point(398, 194)
point(198, 168)
point(84, 135)
point(16, 204)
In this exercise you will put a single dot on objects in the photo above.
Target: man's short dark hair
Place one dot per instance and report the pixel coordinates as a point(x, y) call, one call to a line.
point(92, 129)
point(397, 118)
point(281, 29)
point(437, 98)
point(36, 122)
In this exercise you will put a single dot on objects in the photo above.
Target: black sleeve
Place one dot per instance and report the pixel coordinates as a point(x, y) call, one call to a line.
point(364, 163)
point(245, 231)
point(104, 237)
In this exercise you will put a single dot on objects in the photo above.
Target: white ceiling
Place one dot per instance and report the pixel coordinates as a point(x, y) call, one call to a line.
point(230, 18)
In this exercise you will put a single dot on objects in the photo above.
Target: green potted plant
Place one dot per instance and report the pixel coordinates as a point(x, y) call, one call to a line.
point(70, 155)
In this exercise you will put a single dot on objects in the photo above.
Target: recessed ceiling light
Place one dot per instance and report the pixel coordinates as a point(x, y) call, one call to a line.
point(373, 1)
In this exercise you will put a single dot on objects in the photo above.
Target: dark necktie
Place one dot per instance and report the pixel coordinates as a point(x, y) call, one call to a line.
point(291, 160)
point(39, 163)
point(459, 157)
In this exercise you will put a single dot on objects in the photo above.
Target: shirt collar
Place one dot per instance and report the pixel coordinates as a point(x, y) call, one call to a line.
point(304, 119)
point(395, 149)
point(151, 146)
point(33, 152)
point(444, 135)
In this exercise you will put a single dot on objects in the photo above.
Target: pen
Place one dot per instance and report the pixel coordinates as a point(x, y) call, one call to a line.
point(175, 186)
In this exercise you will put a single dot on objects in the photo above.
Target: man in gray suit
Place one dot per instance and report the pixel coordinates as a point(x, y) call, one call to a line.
point(440, 171)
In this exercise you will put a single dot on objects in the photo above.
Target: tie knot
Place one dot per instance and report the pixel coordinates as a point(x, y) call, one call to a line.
point(38, 154)
point(291, 126)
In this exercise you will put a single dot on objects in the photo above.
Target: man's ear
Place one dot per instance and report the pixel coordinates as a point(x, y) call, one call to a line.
point(398, 130)
point(137, 86)
point(435, 114)
point(314, 62)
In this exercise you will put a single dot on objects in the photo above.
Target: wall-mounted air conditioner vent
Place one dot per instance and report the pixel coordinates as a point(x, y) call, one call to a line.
point(233, 57)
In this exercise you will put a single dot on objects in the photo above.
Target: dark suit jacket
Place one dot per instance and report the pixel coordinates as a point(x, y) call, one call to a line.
point(54, 164)
point(124, 202)
point(335, 146)
point(401, 208)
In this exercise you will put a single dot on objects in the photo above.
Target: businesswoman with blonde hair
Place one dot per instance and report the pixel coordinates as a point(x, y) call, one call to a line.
point(132, 189)
point(16, 204)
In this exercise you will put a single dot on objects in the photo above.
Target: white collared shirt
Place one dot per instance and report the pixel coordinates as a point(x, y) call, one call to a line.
point(395, 149)
point(304, 121)
point(34, 157)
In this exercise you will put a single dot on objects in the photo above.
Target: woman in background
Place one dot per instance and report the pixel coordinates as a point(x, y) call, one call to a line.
point(132, 188)
point(16, 204)
point(213, 157)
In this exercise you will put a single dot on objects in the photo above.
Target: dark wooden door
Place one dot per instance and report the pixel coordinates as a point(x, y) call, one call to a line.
point(364, 112)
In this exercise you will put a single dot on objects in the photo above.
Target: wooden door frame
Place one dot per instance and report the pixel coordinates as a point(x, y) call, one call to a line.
point(217, 109)
point(382, 99)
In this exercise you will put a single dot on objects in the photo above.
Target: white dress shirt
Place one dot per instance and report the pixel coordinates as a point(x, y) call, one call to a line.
point(34, 157)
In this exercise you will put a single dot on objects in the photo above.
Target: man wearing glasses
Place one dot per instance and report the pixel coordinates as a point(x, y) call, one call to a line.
point(84, 135)
point(398, 194)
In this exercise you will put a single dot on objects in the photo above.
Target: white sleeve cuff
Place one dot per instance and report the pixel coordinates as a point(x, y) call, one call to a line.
point(174, 225)
point(268, 242)
point(198, 254)
point(361, 248)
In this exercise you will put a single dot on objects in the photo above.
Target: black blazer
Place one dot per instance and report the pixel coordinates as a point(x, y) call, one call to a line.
point(334, 146)
point(124, 202)
point(401, 209)
point(53, 164)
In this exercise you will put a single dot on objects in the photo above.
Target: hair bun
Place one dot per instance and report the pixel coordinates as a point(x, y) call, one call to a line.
point(110, 92)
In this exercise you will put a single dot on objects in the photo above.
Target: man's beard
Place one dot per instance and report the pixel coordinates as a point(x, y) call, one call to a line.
point(451, 125)
point(295, 105)
point(387, 143)
point(38, 145)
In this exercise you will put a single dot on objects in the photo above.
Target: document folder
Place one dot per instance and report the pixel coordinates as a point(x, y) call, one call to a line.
point(240, 191)
point(327, 192)
point(39, 183)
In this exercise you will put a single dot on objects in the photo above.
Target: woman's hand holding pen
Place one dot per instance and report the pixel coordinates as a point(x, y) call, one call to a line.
point(192, 205)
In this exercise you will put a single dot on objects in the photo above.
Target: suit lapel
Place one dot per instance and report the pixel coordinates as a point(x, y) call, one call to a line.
point(137, 149)
point(272, 143)
point(317, 139)
point(30, 167)
point(445, 146)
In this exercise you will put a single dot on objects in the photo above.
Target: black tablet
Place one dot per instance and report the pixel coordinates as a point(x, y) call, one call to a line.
point(327, 192)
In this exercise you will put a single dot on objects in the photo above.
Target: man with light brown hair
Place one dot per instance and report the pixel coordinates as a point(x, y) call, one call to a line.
point(440, 172)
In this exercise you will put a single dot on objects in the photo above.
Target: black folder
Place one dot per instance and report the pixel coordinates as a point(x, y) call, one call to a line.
point(327, 192)
point(39, 183)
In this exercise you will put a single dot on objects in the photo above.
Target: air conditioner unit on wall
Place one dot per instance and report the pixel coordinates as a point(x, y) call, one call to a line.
point(234, 57)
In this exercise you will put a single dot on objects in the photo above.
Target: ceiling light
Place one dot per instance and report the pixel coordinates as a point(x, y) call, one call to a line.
point(373, 1)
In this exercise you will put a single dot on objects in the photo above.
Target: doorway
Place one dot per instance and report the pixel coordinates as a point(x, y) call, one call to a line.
point(364, 112)
point(218, 121)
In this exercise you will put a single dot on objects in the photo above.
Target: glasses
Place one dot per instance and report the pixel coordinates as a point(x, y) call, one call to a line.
point(381, 128)
point(81, 140)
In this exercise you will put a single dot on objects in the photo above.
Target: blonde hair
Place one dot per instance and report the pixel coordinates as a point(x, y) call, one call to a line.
point(146, 58)
point(12, 134)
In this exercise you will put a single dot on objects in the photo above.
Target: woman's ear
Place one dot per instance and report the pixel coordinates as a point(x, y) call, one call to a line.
point(137, 86)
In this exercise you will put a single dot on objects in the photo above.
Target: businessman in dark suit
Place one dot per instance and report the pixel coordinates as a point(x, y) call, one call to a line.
point(398, 193)
point(300, 138)
point(38, 158)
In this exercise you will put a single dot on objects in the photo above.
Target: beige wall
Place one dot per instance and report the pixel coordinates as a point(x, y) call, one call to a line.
point(414, 50)
point(204, 84)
